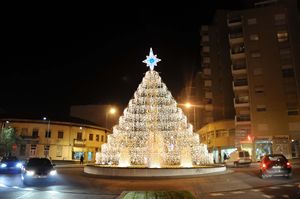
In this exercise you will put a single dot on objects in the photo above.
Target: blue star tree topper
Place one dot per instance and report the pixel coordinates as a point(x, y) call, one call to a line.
point(151, 60)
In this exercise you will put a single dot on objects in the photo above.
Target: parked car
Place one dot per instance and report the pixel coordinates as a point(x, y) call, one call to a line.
point(10, 164)
point(238, 158)
point(38, 170)
point(275, 165)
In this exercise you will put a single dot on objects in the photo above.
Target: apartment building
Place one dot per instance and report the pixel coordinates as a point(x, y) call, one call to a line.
point(264, 46)
point(59, 140)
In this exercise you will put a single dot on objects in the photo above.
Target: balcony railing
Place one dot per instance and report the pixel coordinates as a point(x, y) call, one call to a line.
point(243, 118)
point(29, 137)
point(79, 142)
point(241, 102)
point(233, 21)
point(235, 35)
point(240, 82)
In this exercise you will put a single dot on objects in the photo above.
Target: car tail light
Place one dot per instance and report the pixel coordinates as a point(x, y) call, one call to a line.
point(288, 165)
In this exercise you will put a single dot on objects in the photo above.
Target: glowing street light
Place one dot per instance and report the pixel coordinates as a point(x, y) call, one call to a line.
point(111, 111)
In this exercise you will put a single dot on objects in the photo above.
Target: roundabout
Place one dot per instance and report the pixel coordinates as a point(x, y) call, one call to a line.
point(111, 171)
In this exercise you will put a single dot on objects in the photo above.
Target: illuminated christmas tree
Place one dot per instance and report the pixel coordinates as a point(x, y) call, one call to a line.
point(153, 131)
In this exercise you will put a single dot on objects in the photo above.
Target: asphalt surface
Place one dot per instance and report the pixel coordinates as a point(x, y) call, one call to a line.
point(235, 183)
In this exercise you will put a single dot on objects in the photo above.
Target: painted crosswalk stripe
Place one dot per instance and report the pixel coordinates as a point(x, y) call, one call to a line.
point(274, 187)
point(285, 196)
point(255, 190)
point(267, 196)
point(3, 185)
point(287, 185)
point(237, 192)
point(216, 194)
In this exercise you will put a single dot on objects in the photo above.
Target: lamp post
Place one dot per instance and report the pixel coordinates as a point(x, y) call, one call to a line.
point(111, 111)
point(48, 134)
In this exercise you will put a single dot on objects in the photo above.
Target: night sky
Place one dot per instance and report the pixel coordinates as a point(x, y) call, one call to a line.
point(53, 58)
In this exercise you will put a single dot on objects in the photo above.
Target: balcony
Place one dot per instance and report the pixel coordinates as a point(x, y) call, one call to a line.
point(240, 102)
point(237, 54)
point(238, 68)
point(242, 120)
point(79, 142)
point(240, 84)
point(234, 21)
point(30, 139)
point(236, 38)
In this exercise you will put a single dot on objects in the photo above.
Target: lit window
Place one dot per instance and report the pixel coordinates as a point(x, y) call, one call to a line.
point(282, 36)
point(252, 21)
point(254, 37)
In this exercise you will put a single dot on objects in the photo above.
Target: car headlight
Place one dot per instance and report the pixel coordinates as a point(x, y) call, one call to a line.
point(3, 165)
point(19, 165)
point(29, 173)
point(53, 173)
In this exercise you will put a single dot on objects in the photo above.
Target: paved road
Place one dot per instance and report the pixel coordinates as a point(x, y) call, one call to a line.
point(236, 183)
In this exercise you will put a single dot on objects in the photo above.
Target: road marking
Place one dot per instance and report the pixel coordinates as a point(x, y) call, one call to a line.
point(287, 185)
point(274, 187)
point(217, 194)
point(285, 196)
point(255, 190)
point(237, 192)
point(24, 195)
point(267, 196)
point(3, 185)
point(15, 187)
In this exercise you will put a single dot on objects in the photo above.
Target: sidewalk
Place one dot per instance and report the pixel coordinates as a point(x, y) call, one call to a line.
point(67, 164)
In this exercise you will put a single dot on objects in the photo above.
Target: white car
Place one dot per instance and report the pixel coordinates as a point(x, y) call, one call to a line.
point(238, 158)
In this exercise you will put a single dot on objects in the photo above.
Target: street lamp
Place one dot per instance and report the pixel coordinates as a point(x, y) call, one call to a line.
point(111, 111)
point(188, 106)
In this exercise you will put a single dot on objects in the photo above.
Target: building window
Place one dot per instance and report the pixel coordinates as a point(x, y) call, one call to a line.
point(46, 150)
point(254, 37)
point(208, 95)
point(206, 49)
point(287, 72)
point(261, 108)
point(205, 38)
point(60, 135)
point(293, 112)
point(252, 21)
point(207, 83)
point(102, 138)
point(48, 134)
point(97, 138)
point(259, 89)
point(35, 133)
point(33, 150)
point(280, 19)
point(22, 149)
point(257, 71)
point(24, 132)
point(91, 137)
point(79, 136)
point(206, 60)
point(282, 36)
point(255, 54)
point(207, 71)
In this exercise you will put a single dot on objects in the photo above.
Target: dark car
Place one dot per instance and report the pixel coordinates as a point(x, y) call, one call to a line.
point(38, 170)
point(275, 165)
point(10, 164)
